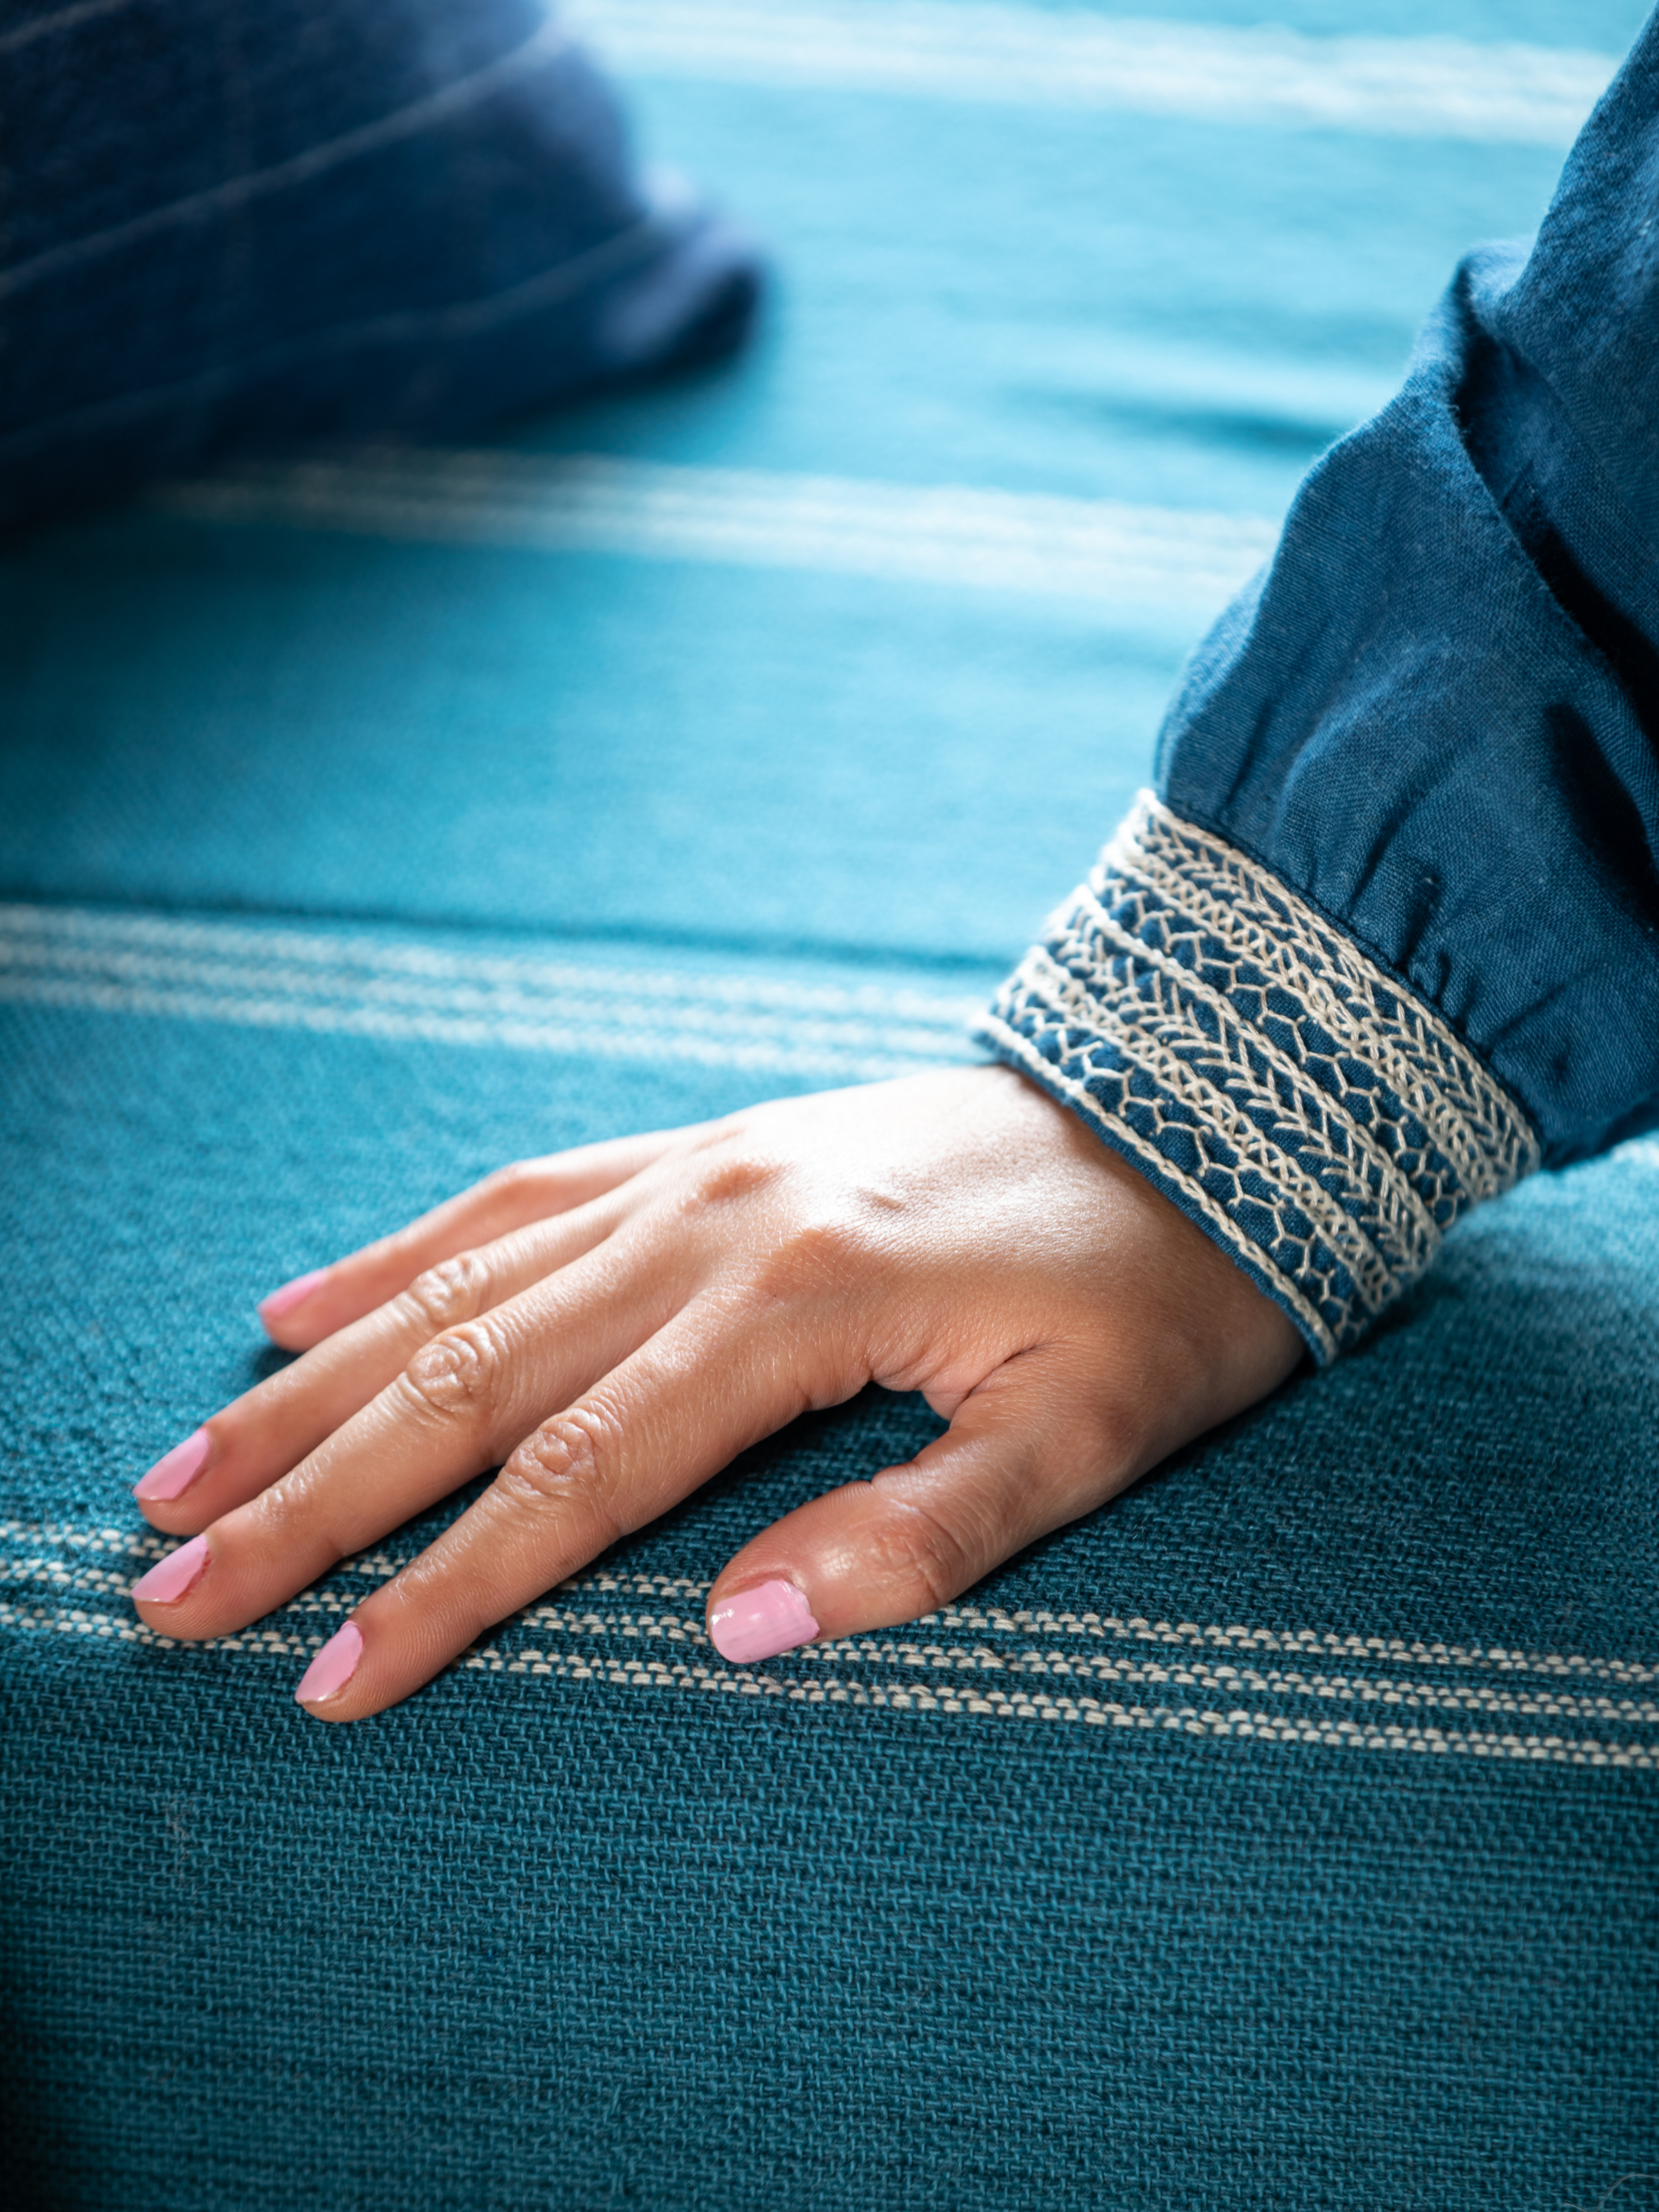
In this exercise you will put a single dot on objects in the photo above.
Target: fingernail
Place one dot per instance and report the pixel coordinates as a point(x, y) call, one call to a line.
point(284, 1300)
point(759, 1623)
point(333, 1667)
point(169, 1579)
point(175, 1471)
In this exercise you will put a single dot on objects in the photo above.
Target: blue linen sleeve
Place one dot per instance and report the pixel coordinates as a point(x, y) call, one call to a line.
point(1387, 938)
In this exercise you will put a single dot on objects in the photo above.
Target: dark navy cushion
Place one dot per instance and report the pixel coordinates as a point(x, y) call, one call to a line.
point(319, 217)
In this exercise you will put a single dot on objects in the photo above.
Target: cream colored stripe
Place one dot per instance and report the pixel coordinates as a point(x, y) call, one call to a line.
point(602, 1038)
point(1128, 1138)
point(1188, 561)
point(1027, 1700)
point(27, 931)
point(327, 983)
point(1013, 1653)
point(99, 1557)
point(968, 50)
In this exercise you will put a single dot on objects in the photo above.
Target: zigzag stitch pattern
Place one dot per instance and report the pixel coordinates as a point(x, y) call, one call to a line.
point(1316, 1117)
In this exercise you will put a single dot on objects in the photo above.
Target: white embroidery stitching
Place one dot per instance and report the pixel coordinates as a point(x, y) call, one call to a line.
point(1477, 1123)
point(1325, 1123)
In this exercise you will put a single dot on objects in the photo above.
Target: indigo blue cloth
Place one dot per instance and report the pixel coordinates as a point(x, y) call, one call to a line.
point(225, 228)
point(1392, 941)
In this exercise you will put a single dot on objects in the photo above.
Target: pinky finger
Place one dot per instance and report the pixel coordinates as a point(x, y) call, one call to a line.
point(301, 1313)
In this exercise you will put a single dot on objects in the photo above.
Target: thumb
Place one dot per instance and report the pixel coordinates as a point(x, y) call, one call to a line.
point(1026, 1453)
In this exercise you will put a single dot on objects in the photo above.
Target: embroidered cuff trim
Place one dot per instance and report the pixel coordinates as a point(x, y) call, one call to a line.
point(1316, 1118)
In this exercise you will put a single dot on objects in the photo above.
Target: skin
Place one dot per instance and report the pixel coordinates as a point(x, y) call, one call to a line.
point(611, 1326)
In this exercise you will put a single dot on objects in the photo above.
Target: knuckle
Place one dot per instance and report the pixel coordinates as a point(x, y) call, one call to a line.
point(300, 1516)
point(571, 1465)
point(454, 1290)
point(812, 1255)
point(519, 1192)
point(727, 1179)
point(459, 1376)
point(516, 1177)
point(911, 1543)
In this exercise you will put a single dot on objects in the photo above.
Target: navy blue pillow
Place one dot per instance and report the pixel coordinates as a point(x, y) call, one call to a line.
point(226, 228)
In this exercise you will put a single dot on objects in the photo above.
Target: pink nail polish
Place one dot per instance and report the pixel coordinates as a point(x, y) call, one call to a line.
point(169, 1579)
point(174, 1472)
point(333, 1667)
point(759, 1623)
point(283, 1300)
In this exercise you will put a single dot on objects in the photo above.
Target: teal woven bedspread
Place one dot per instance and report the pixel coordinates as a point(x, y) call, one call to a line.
point(1285, 1834)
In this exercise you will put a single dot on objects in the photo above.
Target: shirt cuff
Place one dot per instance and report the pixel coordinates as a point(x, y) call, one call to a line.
point(1303, 1107)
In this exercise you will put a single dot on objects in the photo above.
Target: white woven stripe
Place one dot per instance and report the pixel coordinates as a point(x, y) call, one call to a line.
point(1234, 1682)
point(598, 1667)
point(1188, 561)
point(330, 981)
point(967, 50)
point(103, 1558)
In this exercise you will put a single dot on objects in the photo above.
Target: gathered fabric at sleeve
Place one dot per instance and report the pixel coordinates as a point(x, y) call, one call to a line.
point(1386, 938)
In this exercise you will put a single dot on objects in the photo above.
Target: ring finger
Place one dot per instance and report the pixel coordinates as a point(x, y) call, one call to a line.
point(643, 1437)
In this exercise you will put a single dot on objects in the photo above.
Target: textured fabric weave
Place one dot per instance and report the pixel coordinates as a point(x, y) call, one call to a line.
point(1281, 1836)
point(1241, 1844)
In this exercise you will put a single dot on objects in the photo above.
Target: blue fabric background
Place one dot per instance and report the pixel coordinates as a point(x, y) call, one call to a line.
point(533, 1941)
point(519, 1942)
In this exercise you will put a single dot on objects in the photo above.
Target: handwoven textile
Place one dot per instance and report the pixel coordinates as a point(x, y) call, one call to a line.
point(1282, 1835)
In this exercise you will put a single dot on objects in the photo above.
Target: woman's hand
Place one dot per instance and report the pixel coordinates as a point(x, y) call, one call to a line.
point(612, 1326)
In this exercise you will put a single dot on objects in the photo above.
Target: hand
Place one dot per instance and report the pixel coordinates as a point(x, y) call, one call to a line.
point(612, 1326)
